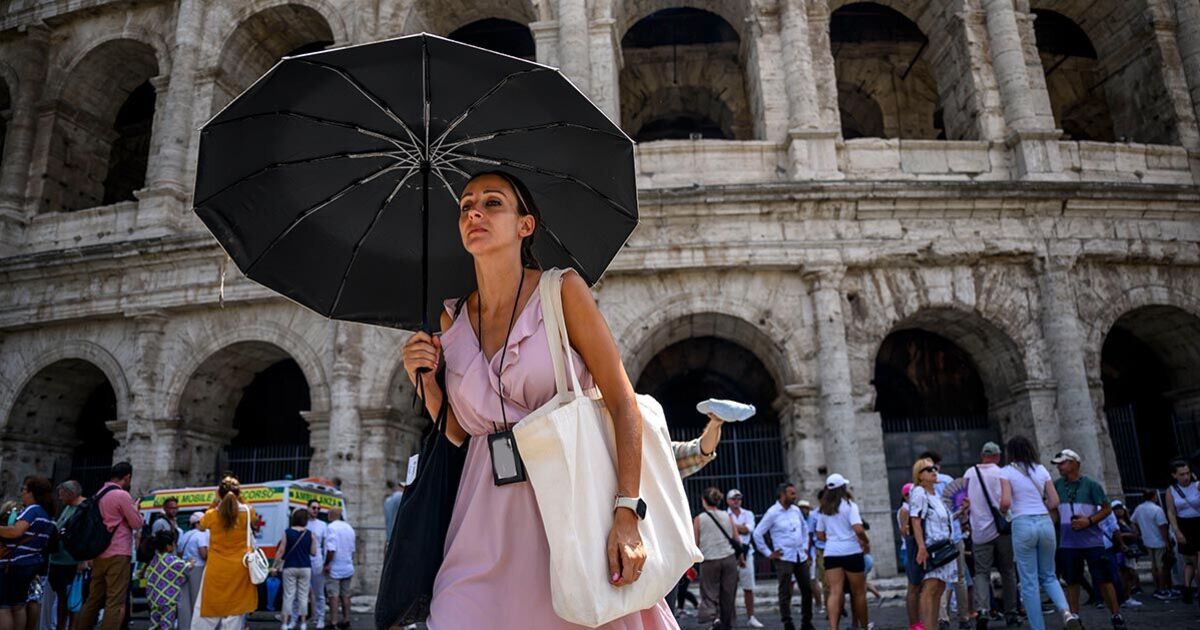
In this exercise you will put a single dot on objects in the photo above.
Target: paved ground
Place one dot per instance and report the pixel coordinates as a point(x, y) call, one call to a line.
point(890, 615)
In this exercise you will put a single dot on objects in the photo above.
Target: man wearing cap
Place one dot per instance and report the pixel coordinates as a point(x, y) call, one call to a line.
point(743, 521)
point(816, 573)
point(789, 553)
point(1083, 507)
point(992, 548)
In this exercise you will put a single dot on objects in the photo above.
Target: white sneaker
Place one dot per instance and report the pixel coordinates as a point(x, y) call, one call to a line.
point(1132, 603)
point(303, 625)
point(753, 623)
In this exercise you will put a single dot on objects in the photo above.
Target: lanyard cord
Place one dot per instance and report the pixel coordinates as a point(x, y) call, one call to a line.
point(503, 349)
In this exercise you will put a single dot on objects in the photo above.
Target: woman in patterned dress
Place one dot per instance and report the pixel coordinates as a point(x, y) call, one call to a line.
point(930, 524)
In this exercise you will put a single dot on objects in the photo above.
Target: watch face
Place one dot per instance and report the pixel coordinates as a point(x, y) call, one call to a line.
point(641, 509)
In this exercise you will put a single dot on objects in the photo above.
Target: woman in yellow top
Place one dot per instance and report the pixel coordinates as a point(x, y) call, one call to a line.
point(226, 593)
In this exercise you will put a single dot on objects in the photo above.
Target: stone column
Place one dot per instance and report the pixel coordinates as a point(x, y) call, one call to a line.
point(1187, 36)
point(1033, 139)
point(575, 56)
point(149, 439)
point(800, 420)
point(1079, 427)
point(1034, 415)
point(836, 401)
point(545, 41)
point(812, 150)
point(606, 68)
point(344, 438)
point(30, 63)
point(824, 67)
point(764, 74)
point(318, 438)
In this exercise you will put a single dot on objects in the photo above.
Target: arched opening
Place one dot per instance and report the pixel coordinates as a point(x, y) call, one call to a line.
point(683, 78)
point(100, 144)
point(5, 115)
point(1120, 91)
point(750, 456)
point(131, 149)
point(491, 18)
point(59, 427)
point(944, 382)
point(242, 405)
point(498, 35)
point(1148, 366)
point(261, 41)
point(1077, 96)
point(886, 87)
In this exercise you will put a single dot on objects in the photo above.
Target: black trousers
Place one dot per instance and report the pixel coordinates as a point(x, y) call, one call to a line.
point(786, 570)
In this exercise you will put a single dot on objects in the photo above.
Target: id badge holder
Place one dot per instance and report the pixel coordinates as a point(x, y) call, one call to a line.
point(506, 459)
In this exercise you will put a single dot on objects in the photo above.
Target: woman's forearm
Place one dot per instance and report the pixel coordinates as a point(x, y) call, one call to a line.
point(627, 425)
point(433, 404)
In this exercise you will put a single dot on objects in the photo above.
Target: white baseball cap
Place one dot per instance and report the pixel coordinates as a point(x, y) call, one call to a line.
point(733, 494)
point(1064, 455)
point(195, 517)
point(726, 410)
point(835, 481)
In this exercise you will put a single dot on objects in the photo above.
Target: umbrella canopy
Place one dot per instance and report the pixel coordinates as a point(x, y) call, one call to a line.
point(334, 179)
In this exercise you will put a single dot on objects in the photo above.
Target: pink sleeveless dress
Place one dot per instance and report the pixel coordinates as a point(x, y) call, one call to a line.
point(497, 568)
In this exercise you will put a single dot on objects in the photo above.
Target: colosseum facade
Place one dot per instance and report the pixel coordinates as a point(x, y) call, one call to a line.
point(891, 225)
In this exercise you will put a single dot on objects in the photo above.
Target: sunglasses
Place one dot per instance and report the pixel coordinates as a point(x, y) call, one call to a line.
point(930, 469)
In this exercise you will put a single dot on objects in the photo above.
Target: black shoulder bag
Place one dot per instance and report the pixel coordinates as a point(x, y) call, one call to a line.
point(940, 552)
point(414, 552)
point(1003, 525)
point(739, 548)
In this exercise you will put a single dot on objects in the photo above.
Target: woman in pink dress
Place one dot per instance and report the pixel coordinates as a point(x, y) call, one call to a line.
point(496, 573)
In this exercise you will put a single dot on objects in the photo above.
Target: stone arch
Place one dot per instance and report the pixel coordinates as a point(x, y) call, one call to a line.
point(498, 35)
point(1148, 364)
point(103, 110)
point(1127, 71)
point(1117, 304)
point(1071, 65)
point(262, 33)
point(629, 12)
point(59, 421)
point(881, 57)
point(441, 17)
point(861, 115)
point(684, 73)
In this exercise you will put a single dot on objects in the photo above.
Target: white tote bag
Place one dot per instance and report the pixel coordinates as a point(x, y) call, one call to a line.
point(569, 450)
point(254, 560)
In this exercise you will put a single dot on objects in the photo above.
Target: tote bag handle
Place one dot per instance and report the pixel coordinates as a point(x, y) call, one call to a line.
point(556, 334)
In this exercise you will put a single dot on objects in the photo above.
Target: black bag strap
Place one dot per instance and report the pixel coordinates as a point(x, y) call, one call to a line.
point(996, 516)
point(287, 550)
point(440, 379)
point(735, 545)
point(96, 502)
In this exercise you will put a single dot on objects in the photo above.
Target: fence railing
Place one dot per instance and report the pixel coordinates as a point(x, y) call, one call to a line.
point(255, 464)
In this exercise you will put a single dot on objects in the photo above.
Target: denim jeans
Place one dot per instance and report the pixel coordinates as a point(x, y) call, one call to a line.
point(1033, 552)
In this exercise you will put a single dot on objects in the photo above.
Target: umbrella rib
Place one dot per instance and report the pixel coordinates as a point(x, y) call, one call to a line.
point(486, 95)
point(557, 174)
point(450, 189)
point(362, 239)
point(320, 121)
point(275, 165)
point(309, 212)
point(566, 250)
point(538, 127)
point(369, 95)
point(438, 162)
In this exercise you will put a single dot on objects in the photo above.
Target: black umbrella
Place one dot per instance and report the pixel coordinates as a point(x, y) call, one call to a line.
point(334, 179)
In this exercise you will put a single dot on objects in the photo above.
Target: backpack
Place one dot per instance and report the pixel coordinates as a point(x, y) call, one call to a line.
point(84, 535)
point(145, 545)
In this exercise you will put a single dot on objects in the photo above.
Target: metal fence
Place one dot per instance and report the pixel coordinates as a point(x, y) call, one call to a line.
point(255, 464)
point(91, 471)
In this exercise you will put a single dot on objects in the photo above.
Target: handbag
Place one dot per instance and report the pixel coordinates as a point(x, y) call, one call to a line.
point(939, 552)
point(739, 548)
point(75, 593)
point(415, 551)
point(569, 449)
point(1003, 525)
point(255, 560)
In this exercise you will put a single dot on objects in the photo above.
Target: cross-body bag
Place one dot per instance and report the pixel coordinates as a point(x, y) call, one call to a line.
point(282, 558)
point(940, 552)
point(1003, 525)
point(739, 548)
point(255, 560)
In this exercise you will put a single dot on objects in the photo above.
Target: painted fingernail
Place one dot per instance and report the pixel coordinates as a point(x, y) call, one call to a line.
point(616, 577)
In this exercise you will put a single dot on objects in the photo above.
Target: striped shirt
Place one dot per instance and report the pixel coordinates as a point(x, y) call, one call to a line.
point(688, 457)
point(30, 548)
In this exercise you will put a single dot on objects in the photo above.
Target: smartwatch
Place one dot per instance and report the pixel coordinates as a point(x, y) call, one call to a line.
point(636, 504)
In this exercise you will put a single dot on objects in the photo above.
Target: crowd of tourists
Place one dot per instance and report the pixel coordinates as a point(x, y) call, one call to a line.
point(67, 560)
point(1006, 517)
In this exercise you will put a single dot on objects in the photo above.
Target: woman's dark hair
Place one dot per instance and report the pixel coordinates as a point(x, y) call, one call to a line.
point(712, 496)
point(229, 491)
point(832, 499)
point(42, 491)
point(300, 518)
point(1021, 452)
point(163, 540)
point(526, 205)
point(1176, 464)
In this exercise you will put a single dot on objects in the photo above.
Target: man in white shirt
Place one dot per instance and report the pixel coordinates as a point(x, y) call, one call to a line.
point(1151, 523)
point(320, 532)
point(743, 520)
point(339, 566)
point(789, 553)
point(991, 548)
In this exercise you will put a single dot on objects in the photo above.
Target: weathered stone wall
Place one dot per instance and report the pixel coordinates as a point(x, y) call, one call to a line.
point(803, 247)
